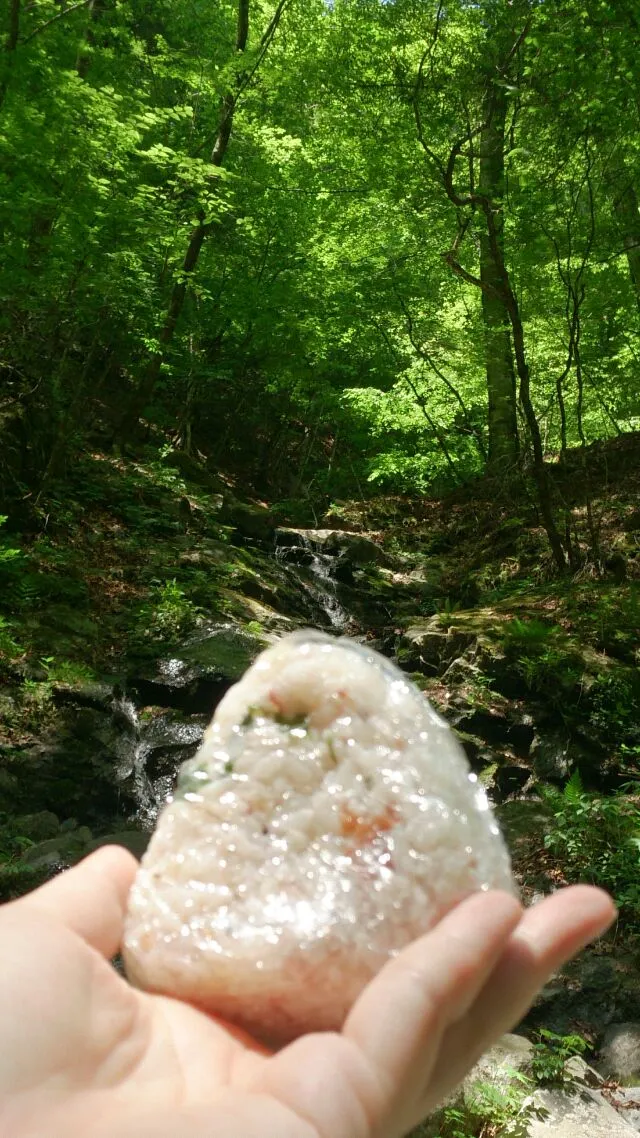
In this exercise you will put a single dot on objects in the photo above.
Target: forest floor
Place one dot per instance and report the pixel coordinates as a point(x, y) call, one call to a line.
point(539, 674)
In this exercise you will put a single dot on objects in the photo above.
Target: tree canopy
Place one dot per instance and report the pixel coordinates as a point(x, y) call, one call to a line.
point(334, 245)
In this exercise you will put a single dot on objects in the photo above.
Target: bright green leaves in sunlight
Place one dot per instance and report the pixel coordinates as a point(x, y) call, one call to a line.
point(293, 229)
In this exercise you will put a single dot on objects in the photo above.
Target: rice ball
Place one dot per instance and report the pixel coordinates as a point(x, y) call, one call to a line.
point(328, 819)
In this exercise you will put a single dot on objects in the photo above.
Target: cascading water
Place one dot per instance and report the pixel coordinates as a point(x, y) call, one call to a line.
point(148, 754)
point(319, 566)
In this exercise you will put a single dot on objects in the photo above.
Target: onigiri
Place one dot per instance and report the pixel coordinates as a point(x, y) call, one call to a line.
point(328, 818)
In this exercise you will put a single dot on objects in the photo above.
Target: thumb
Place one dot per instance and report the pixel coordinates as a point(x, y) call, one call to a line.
point(91, 898)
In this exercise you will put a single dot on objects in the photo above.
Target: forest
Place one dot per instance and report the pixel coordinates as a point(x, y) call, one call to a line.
point(400, 240)
point(325, 312)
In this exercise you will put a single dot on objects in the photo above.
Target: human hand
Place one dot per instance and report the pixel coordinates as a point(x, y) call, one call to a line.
point(82, 1053)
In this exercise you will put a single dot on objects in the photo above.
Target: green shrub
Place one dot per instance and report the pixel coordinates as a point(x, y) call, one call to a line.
point(169, 613)
point(550, 1055)
point(489, 1109)
point(9, 556)
point(596, 837)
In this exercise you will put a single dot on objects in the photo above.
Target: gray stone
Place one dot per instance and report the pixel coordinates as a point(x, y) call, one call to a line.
point(510, 1053)
point(626, 1100)
point(577, 1110)
point(576, 1113)
point(620, 1053)
point(552, 757)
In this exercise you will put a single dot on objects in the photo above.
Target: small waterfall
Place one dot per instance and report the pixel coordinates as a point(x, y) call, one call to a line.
point(307, 554)
point(148, 754)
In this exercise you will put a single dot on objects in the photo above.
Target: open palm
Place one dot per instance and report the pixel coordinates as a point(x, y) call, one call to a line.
point(83, 1053)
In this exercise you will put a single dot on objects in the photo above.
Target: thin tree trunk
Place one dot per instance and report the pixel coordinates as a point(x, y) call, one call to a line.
point(10, 45)
point(501, 381)
point(200, 231)
point(627, 215)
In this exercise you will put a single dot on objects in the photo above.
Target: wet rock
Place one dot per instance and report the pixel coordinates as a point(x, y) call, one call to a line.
point(251, 521)
point(355, 548)
point(196, 677)
point(620, 1053)
point(509, 779)
point(168, 740)
point(71, 771)
point(553, 756)
point(94, 694)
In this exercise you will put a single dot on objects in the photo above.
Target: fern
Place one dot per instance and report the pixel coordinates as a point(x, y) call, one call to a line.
point(574, 790)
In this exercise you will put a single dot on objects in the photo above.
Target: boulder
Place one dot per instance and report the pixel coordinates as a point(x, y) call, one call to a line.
point(592, 993)
point(620, 1053)
point(357, 548)
point(196, 677)
point(552, 757)
point(577, 1112)
point(249, 520)
point(626, 1100)
point(576, 1109)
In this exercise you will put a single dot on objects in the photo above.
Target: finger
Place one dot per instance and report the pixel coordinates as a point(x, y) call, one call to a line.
point(230, 1116)
point(91, 898)
point(401, 1014)
point(548, 935)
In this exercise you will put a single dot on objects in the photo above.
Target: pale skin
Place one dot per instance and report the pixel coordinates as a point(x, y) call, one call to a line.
point(85, 1055)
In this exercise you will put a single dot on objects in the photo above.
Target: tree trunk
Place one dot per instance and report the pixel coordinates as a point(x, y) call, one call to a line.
point(627, 215)
point(10, 45)
point(501, 382)
point(200, 231)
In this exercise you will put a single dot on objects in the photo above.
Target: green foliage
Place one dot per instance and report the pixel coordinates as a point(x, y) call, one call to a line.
point(446, 609)
point(254, 627)
point(613, 704)
point(490, 1110)
point(532, 633)
point(69, 672)
point(9, 559)
point(550, 1055)
point(9, 647)
point(323, 346)
point(596, 838)
point(12, 843)
point(169, 612)
point(8, 552)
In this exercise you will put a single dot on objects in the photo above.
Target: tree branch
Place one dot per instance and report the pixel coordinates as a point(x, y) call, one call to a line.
point(58, 16)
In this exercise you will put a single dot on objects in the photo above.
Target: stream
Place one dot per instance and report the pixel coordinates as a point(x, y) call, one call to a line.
point(109, 762)
point(319, 580)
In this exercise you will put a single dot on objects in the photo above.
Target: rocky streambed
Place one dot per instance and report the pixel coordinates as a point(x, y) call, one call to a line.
point(105, 756)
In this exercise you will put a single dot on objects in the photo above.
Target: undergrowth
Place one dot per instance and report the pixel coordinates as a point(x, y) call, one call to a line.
point(596, 838)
